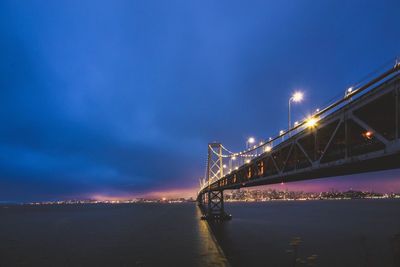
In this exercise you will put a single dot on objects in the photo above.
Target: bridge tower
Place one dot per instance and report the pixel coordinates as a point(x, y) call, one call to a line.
point(215, 171)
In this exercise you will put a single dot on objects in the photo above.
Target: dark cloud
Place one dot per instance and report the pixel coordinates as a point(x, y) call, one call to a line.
point(122, 97)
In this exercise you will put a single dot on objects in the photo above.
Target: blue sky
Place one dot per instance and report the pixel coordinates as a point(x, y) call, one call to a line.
point(121, 97)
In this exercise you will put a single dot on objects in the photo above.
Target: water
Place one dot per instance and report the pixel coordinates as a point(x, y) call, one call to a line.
point(340, 233)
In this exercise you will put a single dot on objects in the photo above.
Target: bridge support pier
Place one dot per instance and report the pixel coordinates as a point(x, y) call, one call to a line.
point(211, 201)
point(215, 207)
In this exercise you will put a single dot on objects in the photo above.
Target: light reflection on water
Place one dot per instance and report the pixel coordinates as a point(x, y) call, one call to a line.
point(340, 233)
point(211, 252)
point(318, 233)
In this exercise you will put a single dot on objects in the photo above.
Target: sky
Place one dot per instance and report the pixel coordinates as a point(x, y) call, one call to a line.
point(111, 99)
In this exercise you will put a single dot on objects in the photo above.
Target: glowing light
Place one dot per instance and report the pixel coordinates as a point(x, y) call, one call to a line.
point(350, 89)
point(268, 149)
point(297, 96)
point(281, 132)
point(233, 158)
point(236, 168)
point(311, 122)
point(368, 135)
point(224, 166)
point(251, 140)
point(296, 123)
point(247, 161)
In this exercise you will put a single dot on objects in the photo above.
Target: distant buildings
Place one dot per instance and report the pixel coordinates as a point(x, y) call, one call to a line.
point(242, 195)
point(92, 201)
point(270, 195)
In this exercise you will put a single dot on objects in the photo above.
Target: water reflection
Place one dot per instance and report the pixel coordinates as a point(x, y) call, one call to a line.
point(340, 233)
point(210, 251)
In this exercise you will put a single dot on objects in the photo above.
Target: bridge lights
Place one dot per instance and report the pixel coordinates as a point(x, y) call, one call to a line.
point(270, 141)
point(247, 161)
point(349, 90)
point(296, 97)
point(282, 133)
point(368, 135)
point(267, 149)
point(250, 141)
point(311, 122)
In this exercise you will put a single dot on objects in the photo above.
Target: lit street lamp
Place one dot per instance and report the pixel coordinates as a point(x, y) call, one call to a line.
point(281, 133)
point(250, 141)
point(296, 97)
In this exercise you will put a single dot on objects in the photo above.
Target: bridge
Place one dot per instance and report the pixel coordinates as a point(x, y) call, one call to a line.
point(357, 133)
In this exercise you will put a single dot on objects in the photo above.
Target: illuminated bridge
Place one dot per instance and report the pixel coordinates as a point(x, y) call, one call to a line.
point(357, 133)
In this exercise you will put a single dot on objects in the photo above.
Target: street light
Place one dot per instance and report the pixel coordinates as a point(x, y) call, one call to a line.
point(282, 133)
point(250, 141)
point(296, 97)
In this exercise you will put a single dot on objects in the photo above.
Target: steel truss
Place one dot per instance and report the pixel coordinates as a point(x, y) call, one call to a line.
point(361, 136)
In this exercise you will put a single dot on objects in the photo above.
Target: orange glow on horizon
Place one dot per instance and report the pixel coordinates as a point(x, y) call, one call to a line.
point(168, 194)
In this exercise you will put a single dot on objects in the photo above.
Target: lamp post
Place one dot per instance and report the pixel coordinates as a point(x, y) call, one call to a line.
point(296, 97)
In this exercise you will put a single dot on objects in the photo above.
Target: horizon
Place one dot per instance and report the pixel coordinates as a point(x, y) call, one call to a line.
point(317, 186)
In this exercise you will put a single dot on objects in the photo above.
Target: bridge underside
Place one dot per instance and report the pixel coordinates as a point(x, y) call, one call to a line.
point(361, 136)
